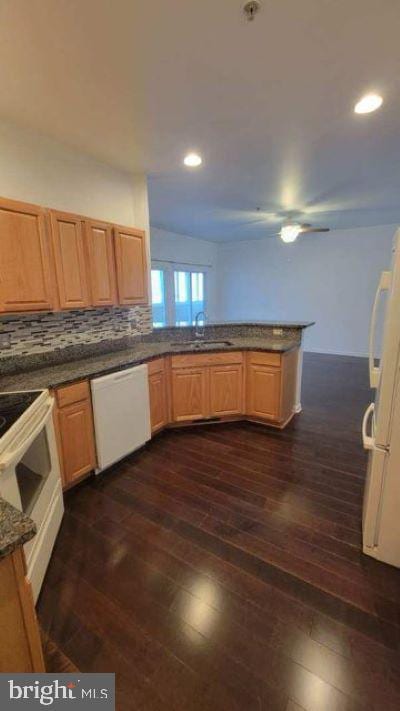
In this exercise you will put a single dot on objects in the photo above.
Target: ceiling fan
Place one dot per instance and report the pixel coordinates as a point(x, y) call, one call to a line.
point(291, 230)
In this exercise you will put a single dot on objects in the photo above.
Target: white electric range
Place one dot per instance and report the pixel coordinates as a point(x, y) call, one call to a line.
point(30, 472)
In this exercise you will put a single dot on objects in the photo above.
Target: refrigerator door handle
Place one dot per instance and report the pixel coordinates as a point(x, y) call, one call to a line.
point(375, 371)
point(368, 440)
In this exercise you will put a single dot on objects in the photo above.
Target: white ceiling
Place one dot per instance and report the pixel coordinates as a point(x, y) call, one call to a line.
point(268, 104)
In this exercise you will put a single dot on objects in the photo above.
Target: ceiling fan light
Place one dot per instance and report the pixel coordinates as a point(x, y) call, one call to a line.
point(289, 233)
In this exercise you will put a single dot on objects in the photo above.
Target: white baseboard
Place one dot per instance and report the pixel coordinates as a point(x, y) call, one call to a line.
point(340, 353)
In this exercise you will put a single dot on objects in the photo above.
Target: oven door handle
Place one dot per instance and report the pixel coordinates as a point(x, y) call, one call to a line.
point(12, 455)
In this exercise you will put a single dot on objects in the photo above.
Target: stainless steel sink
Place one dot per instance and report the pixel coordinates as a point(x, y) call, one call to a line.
point(199, 344)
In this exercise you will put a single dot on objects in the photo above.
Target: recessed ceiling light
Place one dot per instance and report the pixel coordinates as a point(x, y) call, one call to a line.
point(289, 233)
point(192, 160)
point(368, 103)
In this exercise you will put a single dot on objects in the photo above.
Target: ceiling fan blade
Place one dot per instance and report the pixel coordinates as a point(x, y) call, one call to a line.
point(306, 230)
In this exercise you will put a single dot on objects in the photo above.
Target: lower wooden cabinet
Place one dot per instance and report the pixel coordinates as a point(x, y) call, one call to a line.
point(189, 394)
point(271, 386)
point(226, 390)
point(20, 645)
point(206, 385)
point(75, 431)
point(263, 391)
point(159, 415)
point(185, 388)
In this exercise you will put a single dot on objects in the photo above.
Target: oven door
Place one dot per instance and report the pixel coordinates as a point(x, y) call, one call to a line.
point(30, 480)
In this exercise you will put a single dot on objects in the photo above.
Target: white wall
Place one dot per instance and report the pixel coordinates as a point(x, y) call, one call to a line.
point(38, 169)
point(328, 278)
point(170, 246)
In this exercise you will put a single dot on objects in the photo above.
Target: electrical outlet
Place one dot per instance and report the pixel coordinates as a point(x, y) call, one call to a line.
point(277, 331)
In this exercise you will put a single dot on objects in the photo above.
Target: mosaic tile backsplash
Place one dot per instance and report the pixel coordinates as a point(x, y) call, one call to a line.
point(40, 334)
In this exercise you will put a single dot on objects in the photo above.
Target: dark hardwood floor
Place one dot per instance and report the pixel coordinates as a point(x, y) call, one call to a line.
point(221, 567)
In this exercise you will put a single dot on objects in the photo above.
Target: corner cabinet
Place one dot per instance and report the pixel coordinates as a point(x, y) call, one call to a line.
point(25, 258)
point(131, 263)
point(74, 427)
point(69, 254)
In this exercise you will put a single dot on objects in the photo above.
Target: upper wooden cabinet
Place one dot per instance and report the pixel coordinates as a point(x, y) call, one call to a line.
point(25, 267)
point(51, 260)
point(69, 255)
point(100, 263)
point(131, 263)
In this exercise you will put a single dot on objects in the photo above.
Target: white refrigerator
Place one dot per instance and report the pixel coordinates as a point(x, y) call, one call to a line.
point(381, 424)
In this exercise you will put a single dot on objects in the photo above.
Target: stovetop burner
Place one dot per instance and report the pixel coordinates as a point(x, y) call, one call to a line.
point(13, 405)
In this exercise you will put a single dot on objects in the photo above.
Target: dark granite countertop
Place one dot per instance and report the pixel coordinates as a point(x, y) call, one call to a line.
point(15, 528)
point(269, 324)
point(93, 366)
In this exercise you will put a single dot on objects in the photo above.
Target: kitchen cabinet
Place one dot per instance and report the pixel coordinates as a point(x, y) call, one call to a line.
point(158, 393)
point(226, 390)
point(263, 391)
point(75, 431)
point(51, 260)
point(25, 258)
point(189, 394)
point(131, 264)
point(205, 385)
point(100, 263)
point(69, 254)
point(20, 644)
point(271, 385)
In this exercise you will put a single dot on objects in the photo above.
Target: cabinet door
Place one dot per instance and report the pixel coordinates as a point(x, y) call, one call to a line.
point(226, 390)
point(263, 391)
point(189, 394)
point(76, 439)
point(25, 269)
point(20, 646)
point(158, 401)
point(101, 264)
point(131, 262)
point(69, 253)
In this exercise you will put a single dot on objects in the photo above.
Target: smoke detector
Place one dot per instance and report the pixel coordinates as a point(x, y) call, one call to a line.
point(251, 8)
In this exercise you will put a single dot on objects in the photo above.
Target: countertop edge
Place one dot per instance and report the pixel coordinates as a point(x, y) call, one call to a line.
point(44, 378)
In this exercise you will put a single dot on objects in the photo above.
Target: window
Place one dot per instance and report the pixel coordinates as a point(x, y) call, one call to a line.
point(178, 294)
point(158, 298)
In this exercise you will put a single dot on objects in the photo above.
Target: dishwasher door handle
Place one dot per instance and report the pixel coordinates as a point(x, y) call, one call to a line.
point(123, 376)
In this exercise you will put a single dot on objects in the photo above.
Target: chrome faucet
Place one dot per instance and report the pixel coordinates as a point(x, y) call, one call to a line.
point(199, 330)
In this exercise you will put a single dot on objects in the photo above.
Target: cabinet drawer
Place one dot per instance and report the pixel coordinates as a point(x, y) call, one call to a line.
point(264, 358)
point(156, 366)
point(196, 360)
point(76, 392)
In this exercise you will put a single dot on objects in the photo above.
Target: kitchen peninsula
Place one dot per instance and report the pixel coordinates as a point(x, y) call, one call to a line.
point(234, 371)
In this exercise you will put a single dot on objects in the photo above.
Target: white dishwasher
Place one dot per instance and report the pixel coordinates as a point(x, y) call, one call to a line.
point(121, 414)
